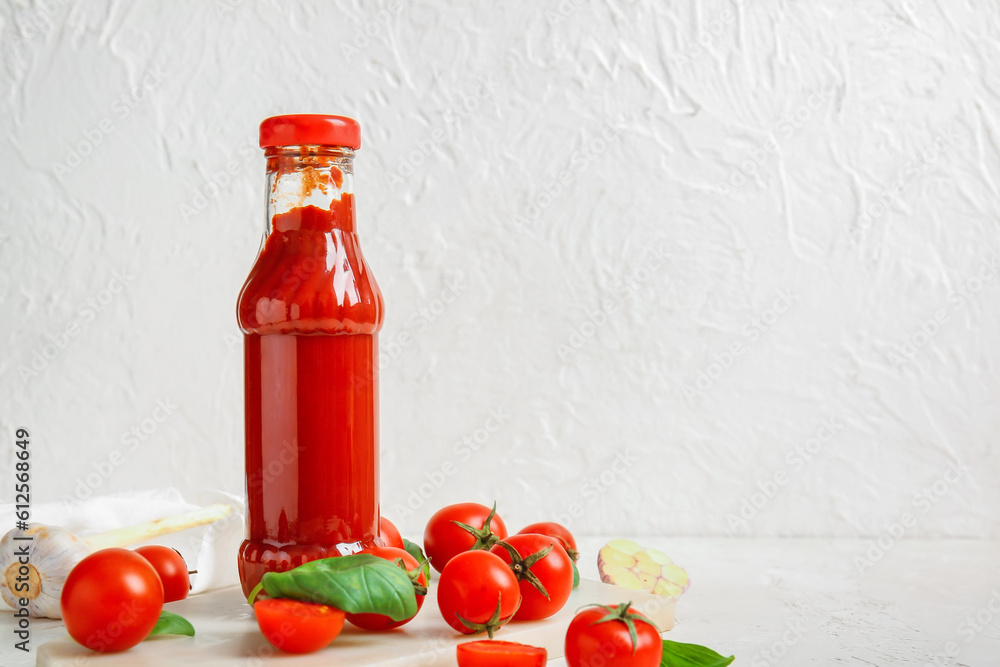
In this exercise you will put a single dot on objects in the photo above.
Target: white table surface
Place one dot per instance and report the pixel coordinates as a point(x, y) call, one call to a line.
point(227, 636)
point(804, 602)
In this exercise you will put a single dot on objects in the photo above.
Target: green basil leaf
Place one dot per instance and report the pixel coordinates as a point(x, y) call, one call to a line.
point(576, 575)
point(357, 584)
point(413, 549)
point(172, 624)
point(691, 655)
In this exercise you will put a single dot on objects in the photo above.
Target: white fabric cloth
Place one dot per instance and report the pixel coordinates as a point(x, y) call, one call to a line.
point(210, 549)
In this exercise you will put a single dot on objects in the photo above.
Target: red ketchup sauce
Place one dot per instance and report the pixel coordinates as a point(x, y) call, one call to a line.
point(310, 312)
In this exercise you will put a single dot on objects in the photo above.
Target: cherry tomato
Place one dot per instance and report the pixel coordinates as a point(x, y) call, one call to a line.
point(594, 638)
point(297, 627)
point(545, 581)
point(557, 531)
point(173, 571)
point(380, 621)
point(111, 600)
point(390, 535)
point(495, 653)
point(481, 589)
point(444, 538)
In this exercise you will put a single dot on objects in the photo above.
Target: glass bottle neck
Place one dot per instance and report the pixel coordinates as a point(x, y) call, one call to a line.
point(310, 182)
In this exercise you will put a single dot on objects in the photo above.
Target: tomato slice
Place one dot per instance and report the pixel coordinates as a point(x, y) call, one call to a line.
point(496, 653)
point(298, 627)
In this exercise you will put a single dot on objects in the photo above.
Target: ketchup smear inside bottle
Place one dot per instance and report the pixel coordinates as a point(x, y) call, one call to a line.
point(310, 312)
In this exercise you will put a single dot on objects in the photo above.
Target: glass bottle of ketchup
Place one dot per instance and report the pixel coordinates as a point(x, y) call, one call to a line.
point(310, 312)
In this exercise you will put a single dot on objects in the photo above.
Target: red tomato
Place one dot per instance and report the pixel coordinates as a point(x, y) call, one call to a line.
point(173, 571)
point(298, 627)
point(557, 531)
point(111, 600)
point(545, 582)
point(380, 621)
point(444, 538)
point(593, 638)
point(390, 535)
point(495, 653)
point(478, 587)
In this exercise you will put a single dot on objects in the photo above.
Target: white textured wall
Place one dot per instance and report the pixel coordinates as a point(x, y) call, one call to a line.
point(620, 194)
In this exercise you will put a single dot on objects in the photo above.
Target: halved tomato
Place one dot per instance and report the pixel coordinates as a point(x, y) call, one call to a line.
point(495, 653)
point(298, 627)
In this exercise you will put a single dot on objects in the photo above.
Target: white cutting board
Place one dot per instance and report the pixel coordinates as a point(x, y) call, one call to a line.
point(227, 636)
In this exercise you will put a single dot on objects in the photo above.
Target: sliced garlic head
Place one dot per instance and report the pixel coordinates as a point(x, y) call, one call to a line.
point(624, 563)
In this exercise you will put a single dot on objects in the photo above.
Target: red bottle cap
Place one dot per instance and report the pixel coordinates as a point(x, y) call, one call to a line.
point(310, 129)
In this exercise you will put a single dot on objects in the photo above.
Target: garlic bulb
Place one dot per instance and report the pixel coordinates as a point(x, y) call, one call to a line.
point(54, 551)
point(51, 554)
